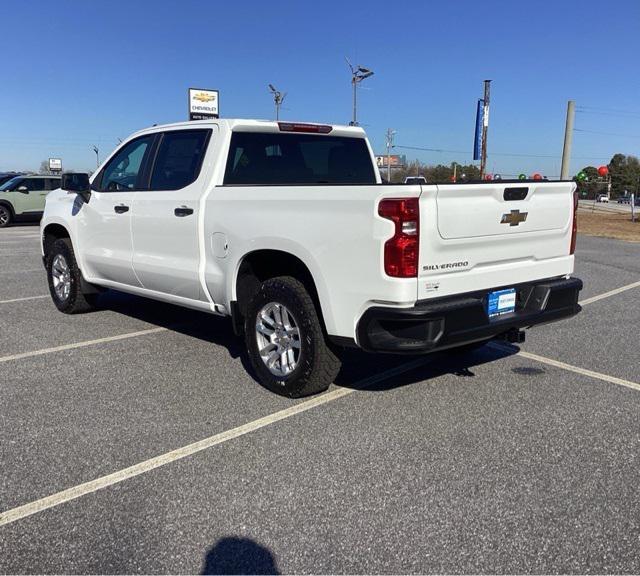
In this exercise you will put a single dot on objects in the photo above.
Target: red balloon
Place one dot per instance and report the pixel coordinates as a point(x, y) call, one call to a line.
point(488, 177)
point(537, 176)
point(603, 170)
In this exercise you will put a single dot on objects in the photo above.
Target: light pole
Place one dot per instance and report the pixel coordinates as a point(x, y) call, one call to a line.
point(358, 74)
point(389, 139)
point(278, 98)
point(95, 149)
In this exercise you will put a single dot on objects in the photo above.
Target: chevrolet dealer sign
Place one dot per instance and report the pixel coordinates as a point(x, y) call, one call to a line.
point(203, 104)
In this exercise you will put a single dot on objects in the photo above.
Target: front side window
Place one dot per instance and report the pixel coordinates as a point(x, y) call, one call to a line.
point(275, 158)
point(179, 159)
point(12, 184)
point(124, 170)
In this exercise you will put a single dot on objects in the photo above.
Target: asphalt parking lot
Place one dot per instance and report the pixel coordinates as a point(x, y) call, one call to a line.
point(134, 440)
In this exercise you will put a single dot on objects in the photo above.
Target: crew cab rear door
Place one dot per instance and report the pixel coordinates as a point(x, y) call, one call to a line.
point(166, 242)
point(486, 235)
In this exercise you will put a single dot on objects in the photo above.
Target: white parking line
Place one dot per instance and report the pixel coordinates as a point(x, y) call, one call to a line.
point(24, 299)
point(569, 367)
point(610, 293)
point(82, 344)
point(148, 465)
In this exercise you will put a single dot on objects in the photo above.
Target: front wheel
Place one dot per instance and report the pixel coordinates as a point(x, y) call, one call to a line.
point(285, 341)
point(65, 280)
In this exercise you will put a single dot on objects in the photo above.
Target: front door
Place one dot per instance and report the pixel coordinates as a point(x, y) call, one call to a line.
point(166, 251)
point(104, 228)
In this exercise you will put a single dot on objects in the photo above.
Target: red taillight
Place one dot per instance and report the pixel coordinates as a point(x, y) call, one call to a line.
point(298, 127)
point(401, 250)
point(574, 230)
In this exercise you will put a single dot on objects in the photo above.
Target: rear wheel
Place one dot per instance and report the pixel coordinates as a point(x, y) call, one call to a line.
point(5, 216)
point(285, 341)
point(65, 281)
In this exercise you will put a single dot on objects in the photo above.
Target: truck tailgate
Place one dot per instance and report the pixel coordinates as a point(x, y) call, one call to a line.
point(481, 236)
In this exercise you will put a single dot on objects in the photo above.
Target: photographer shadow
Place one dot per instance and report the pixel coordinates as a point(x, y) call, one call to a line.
point(235, 555)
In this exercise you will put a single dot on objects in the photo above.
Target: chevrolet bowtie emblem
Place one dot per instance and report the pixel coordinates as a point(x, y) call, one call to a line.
point(514, 217)
point(203, 97)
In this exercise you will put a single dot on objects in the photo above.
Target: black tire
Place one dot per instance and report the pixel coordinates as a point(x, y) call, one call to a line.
point(317, 365)
point(75, 301)
point(6, 216)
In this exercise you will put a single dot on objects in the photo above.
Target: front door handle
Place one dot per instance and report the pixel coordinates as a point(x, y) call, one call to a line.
point(183, 211)
point(121, 209)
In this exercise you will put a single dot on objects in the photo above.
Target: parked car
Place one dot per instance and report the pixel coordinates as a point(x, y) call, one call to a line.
point(288, 229)
point(602, 198)
point(23, 197)
point(624, 199)
point(415, 180)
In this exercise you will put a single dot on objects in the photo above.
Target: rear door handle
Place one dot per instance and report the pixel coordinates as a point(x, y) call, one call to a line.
point(121, 209)
point(183, 211)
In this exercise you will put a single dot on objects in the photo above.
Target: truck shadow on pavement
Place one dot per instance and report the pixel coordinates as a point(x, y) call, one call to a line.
point(358, 367)
point(236, 555)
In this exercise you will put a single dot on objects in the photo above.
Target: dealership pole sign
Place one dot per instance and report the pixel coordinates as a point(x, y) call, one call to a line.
point(203, 104)
point(55, 165)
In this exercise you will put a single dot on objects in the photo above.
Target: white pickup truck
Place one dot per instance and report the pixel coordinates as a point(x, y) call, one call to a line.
point(287, 228)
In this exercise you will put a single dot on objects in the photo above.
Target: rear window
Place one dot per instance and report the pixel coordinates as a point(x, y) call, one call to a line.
point(179, 159)
point(274, 158)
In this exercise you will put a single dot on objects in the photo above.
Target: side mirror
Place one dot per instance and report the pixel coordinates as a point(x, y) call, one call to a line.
point(77, 183)
point(22, 189)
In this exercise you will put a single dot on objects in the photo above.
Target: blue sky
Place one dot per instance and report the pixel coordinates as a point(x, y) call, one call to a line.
point(79, 73)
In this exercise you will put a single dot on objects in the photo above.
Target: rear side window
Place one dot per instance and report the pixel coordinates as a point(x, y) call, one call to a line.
point(179, 159)
point(275, 158)
point(53, 183)
point(33, 183)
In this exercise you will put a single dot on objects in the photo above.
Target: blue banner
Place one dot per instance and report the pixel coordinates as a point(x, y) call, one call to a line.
point(477, 139)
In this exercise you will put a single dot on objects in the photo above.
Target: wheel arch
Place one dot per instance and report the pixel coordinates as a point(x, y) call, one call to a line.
point(52, 232)
point(8, 204)
point(259, 265)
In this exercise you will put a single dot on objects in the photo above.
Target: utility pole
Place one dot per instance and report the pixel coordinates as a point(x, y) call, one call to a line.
point(568, 137)
point(390, 135)
point(95, 149)
point(485, 128)
point(278, 99)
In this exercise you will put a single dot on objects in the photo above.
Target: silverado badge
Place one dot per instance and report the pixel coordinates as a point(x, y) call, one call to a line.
point(514, 217)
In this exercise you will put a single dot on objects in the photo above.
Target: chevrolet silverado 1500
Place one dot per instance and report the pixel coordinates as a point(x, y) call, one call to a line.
point(288, 229)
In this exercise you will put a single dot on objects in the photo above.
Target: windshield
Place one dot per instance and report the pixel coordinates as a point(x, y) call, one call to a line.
point(9, 184)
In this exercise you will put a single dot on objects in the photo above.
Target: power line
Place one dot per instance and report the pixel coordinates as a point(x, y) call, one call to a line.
point(610, 114)
point(607, 110)
point(606, 133)
point(466, 152)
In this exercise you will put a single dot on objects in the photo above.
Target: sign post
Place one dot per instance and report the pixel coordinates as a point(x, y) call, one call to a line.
point(203, 104)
